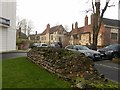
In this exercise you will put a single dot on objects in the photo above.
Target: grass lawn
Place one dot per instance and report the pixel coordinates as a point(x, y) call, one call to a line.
point(21, 73)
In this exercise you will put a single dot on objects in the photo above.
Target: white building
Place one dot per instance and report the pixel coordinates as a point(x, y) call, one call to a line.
point(7, 25)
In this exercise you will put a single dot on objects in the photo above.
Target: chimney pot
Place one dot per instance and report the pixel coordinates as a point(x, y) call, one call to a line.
point(86, 20)
point(76, 25)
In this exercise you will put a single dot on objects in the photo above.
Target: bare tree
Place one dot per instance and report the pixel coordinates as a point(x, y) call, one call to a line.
point(66, 27)
point(98, 17)
point(24, 26)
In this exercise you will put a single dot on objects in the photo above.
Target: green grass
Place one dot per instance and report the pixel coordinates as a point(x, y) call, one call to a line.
point(21, 73)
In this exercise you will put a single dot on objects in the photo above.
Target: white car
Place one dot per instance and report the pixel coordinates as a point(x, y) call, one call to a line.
point(43, 45)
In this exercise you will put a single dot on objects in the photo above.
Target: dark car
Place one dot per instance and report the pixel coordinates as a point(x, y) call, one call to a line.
point(111, 51)
point(95, 55)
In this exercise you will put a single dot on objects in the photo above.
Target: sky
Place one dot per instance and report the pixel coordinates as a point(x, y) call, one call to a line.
point(56, 12)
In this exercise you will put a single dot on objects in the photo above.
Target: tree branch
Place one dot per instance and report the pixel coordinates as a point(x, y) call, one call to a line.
point(103, 11)
point(93, 7)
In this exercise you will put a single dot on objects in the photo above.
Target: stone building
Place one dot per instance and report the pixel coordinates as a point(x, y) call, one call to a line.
point(53, 35)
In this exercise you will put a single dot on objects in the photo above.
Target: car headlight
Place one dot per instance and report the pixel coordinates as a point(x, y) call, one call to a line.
point(88, 54)
point(110, 51)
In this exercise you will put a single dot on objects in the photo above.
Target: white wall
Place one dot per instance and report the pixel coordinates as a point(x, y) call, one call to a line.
point(8, 34)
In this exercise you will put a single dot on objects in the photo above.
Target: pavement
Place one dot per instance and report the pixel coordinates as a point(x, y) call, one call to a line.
point(13, 54)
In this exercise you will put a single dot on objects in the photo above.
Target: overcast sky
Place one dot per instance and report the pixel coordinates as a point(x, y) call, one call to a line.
point(55, 12)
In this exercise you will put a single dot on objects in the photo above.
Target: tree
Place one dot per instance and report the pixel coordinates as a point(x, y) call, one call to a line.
point(24, 26)
point(66, 27)
point(98, 17)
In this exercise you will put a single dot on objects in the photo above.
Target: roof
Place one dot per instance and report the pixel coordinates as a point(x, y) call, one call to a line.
point(53, 29)
point(111, 22)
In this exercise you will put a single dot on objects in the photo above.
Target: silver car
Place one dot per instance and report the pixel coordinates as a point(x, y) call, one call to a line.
point(43, 45)
point(95, 55)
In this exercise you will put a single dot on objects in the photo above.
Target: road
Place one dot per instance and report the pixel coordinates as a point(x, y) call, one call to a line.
point(106, 67)
point(109, 69)
point(12, 55)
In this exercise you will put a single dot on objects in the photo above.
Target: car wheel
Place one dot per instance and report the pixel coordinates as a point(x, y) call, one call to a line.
point(115, 55)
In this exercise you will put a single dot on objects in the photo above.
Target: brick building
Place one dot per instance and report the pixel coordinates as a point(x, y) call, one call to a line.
point(109, 33)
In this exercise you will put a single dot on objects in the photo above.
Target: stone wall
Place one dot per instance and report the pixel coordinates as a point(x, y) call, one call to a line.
point(66, 64)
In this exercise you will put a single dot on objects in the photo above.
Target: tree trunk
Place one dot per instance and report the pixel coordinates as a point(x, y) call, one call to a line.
point(96, 25)
point(97, 22)
point(95, 38)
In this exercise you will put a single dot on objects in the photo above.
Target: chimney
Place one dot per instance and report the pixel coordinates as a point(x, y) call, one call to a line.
point(92, 19)
point(86, 20)
point(76, 25)
point(48, 28)
point(72, 26)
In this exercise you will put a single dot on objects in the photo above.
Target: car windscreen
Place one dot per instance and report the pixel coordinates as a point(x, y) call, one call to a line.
point(114, 47)
point(35, 44)
point(81, 47)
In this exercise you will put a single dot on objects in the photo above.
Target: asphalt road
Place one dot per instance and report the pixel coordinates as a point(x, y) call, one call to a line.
point(12, 55)
point(109, 69)
point(106, 67)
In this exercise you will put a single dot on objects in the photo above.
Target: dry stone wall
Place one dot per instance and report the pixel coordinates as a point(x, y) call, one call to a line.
point(66, 64)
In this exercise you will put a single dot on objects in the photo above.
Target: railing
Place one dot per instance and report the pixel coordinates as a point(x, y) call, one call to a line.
point(4, 21)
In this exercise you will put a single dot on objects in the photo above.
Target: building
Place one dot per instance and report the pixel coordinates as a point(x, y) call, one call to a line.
point(111, 32)
point(53, 35)
point(7, 25)
point(108, 34)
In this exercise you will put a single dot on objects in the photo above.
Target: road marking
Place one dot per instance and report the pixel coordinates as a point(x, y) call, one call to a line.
point(108, 66)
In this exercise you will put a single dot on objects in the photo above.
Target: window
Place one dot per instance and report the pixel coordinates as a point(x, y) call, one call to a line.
point(41, 38)
point(52, 37)
point(60, 32)
point(60, 39)
point(44, 38)
point(114, 36)
point(38, 38)
point(4, 21)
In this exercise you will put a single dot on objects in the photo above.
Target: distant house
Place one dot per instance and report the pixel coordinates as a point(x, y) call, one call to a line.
point(53, 35)
point(7, 26)
point(109, 33)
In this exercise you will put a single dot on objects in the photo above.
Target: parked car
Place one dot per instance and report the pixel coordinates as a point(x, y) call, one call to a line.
point(52, 45)
point(95, 55)
point(110, 51)
point(35, 45)
point(42, 45)
point(56, 45)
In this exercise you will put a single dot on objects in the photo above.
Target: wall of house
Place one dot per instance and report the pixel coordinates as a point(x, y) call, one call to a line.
point(85, 39)
point(106, 36)
point(8, 34)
